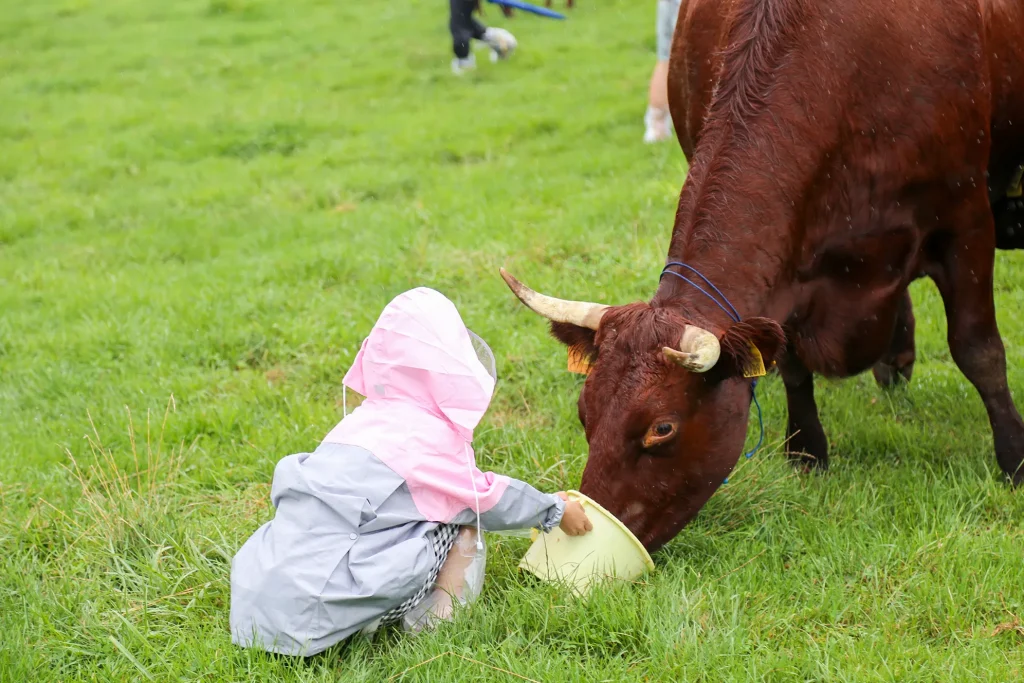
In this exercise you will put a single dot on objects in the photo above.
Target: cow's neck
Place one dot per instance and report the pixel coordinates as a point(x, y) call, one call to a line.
point(734, 228)
point(736, 209)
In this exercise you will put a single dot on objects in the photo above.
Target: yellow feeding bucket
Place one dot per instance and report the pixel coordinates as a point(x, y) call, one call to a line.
point(609, 551)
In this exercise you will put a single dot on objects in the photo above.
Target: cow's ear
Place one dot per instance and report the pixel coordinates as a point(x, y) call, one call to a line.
point(744, 341)
point(580, 340)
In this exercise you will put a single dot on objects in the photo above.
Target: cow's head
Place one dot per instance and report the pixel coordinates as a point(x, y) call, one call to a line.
point(665, 404)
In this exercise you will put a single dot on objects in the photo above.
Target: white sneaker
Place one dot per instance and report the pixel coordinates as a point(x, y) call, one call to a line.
point(501, 42)
point(460, 66)
point(656, 122)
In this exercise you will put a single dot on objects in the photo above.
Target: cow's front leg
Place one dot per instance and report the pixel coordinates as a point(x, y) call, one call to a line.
point(805, 437)
point(897, 365)
point(964, 279)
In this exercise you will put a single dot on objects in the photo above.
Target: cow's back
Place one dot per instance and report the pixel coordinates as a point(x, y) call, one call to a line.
point(701, 35)
point(694, 66)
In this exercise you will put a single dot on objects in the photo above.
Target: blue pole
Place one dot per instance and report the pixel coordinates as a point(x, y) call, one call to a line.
point(527, 7)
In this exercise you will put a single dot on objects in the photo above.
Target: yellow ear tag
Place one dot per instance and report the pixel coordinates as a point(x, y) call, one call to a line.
point(578, 362)
point(756, 367)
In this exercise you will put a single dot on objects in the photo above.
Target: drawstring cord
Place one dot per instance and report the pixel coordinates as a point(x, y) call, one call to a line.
point(732, 313)
point(476, 494)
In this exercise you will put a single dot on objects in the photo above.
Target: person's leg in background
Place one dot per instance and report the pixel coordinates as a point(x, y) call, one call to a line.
point(465, 28)
point(657, 121)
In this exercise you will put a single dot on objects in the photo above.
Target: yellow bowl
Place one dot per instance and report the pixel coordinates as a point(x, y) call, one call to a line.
point(609, 551)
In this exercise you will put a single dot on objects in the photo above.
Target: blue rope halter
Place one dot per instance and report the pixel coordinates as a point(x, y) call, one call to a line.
point(730, 311)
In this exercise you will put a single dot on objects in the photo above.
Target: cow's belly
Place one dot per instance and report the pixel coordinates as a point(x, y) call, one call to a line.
point(845, 302)
point(840, 336)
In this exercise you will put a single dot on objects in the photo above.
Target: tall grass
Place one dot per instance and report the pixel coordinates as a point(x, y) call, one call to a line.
point(214, 200)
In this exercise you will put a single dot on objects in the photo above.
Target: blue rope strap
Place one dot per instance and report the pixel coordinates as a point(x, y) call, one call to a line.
point(730, 311)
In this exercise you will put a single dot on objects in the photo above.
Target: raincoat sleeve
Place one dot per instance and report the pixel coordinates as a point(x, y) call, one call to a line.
point(520, 507)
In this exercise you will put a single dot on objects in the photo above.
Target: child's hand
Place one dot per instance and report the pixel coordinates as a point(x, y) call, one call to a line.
point(574, 519)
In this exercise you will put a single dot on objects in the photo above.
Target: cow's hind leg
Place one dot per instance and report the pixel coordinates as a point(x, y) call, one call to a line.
point(964, 278)
point(897, 365)
point(805, 437)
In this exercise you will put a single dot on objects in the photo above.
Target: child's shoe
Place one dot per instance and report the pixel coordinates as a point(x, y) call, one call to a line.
point(460, 66)
point(501, 42)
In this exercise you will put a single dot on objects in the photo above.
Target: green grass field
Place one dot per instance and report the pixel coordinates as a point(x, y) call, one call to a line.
point(203, 207)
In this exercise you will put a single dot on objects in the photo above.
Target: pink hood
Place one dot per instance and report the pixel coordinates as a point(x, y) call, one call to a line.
point(426, 391)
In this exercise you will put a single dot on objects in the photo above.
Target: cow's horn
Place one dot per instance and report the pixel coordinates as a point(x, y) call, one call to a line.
point(580, 313)
point(698, 350)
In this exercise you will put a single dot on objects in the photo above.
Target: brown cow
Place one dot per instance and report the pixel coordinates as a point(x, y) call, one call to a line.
point(848, 149)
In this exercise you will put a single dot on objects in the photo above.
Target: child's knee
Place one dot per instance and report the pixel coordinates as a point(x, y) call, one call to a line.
point(466, 538)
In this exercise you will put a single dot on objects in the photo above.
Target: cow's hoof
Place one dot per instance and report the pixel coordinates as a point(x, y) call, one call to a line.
point(892, 373)
point(808, 450)
point(806, 462)
point(1013, 469)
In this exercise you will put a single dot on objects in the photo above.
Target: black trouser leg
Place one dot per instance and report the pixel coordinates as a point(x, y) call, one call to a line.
point(464, 26)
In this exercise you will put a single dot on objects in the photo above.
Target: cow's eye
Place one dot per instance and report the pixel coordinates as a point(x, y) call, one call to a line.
point(660, 431)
